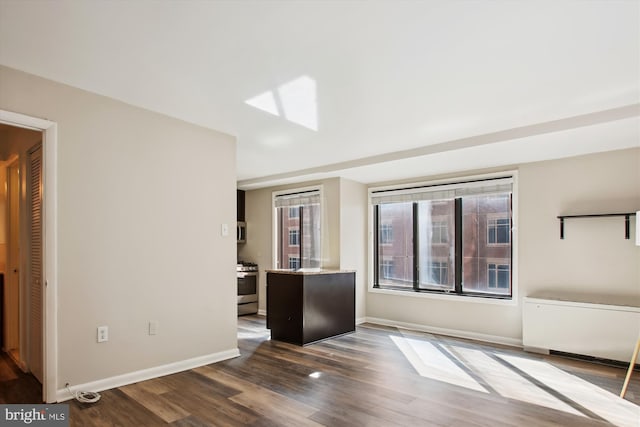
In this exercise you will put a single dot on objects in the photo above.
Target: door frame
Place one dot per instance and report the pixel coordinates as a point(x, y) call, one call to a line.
point(49, 131)
point(12, 189)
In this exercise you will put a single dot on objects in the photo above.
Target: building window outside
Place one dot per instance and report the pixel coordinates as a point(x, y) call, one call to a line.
point(294, 236)
point(386, 234)
point(498, 231)
point(294, 263)
point(294, 212)
point(438, 242)
point(387, 268)
point(439, 272)
point(498, 276)
point(440, 232)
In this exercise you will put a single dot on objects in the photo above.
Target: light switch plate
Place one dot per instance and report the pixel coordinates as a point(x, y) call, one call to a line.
point(103, 333)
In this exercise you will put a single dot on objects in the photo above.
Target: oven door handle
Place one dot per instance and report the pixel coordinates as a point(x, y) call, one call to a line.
point(243, 274)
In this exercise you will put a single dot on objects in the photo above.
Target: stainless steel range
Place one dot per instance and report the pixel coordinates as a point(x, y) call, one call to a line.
point(247, 273)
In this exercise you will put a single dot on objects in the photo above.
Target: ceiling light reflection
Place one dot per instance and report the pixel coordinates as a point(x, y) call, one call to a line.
point(295, 100)
point(298, 99)
point(265, 102)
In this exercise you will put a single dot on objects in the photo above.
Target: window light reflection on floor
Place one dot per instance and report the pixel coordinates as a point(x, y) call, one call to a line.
point(248, 335)
point(533, 381)
point(430, 362)
point(584, 394)
point(508, 383)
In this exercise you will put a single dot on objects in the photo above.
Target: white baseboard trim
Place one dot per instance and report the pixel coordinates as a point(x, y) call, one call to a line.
point(262, 312)
point(536, 350)
point(449, 332)
point(147, 374)
point(361, 320)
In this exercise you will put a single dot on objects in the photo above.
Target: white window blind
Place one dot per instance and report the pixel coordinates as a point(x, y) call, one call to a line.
point(303, 198)
point(442, 191)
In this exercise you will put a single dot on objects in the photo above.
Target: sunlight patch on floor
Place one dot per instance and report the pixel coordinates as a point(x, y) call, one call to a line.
point(508, 383)
point(253, 335)
point(601, 402)
point(430, 362)
point(532, 381)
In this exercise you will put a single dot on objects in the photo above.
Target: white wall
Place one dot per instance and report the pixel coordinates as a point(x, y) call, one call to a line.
point(140, 201)
point(353, 237)
point(593, 258)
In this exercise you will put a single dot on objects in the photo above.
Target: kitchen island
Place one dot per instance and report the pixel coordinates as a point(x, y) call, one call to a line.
point(309, 305)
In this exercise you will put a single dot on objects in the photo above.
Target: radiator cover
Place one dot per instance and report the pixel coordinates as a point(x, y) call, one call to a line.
point(600, 326)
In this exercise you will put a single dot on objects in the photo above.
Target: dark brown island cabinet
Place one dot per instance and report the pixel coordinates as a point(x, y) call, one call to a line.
point(308, 306)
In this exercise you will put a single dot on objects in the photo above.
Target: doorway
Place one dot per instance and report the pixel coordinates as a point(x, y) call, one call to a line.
point(21, 241)
point(49, 130)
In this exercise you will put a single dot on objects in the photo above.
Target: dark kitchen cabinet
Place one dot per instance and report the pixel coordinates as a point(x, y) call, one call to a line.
point(304, 307)
point(240, 205)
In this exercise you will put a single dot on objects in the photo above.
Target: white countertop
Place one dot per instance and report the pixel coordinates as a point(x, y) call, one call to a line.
point(309, 271)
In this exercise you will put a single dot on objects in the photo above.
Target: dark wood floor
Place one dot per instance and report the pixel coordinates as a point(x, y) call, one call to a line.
point(15, 385)
point(377, 376)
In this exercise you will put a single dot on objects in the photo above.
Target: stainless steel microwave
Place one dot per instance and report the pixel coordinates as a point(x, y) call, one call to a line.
point(242, 232)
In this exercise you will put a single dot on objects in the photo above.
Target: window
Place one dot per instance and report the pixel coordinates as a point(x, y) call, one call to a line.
point(297, 229)
point(396, 253)
point(498, 231)
point(386, 234)
point(440, 232)
point(452, 237)
point(495, 211)
point(387, 268)
point(498, 276)
point(294, 236)
point(439, 271)
point(294, 263)
point(434, 246)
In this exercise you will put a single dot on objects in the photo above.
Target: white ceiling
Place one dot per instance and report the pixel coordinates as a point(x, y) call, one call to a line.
point(396, 89)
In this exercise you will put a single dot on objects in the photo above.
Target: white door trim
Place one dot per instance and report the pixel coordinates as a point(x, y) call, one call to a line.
point(50, 243)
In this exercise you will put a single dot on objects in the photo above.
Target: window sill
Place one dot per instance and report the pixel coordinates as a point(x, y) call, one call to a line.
point(446, 297)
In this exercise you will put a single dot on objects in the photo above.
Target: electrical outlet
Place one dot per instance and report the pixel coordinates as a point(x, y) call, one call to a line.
point(224, 230)
point(153, 327)
point(103, 333)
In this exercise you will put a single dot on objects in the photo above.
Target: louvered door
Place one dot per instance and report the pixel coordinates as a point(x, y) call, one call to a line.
point(36, 324)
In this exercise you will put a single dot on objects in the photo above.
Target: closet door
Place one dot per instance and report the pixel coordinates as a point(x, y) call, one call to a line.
point(36, 322)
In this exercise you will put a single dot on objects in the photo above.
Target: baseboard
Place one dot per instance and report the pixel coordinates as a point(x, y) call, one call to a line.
point(449, 332)
point(262, 312)
point(537, 350)
point(147, 374)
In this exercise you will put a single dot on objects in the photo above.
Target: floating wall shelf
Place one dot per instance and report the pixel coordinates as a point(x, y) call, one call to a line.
point(626, 216)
